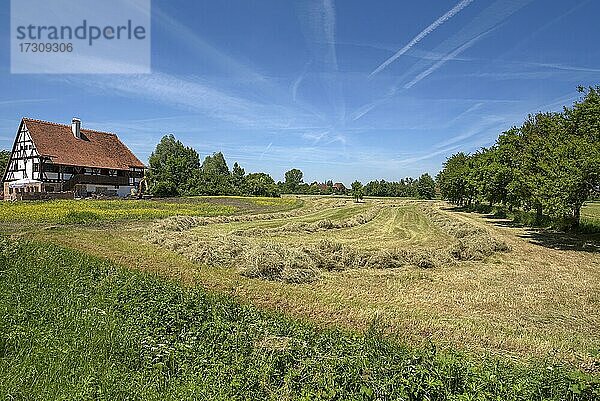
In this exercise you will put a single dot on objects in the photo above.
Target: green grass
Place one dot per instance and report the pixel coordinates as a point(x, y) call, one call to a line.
point(73, 326)
point(590, 217)
point(537, 301)
point(94, 211)
point(591, 210)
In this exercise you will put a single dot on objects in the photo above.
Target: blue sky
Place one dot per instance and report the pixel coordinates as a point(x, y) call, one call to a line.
point(342, 90)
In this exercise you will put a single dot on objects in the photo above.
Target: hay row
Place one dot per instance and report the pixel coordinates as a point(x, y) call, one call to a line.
point(254, 258)
point(182, 223)
point(303, 227)
point(473, 243)
point(292, 264)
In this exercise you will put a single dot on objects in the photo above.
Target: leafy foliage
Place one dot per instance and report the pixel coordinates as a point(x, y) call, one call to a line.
point(426, 187)
point(4, 157)
point(550, 164)
point(172, 166)
point(293, 179)
point(357, 190)
point(176, 170)
point(261, 184)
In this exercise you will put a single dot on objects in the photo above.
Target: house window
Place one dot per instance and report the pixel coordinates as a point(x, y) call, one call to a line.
point(36, 167)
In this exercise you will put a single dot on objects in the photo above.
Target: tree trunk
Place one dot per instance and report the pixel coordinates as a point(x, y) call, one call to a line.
point(576, 217)
point(538, 214)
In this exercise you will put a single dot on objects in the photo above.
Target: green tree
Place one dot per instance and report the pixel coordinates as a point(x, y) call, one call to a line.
point(238, 177)
point(293, 179)
point(574, 159)
point(550, 164)
point(4, 157)
point(215, 178)
point(357, 190)
point(215, 165)
point(452, 180)
point(172, 167)
point(426, 187)
point(261, 184)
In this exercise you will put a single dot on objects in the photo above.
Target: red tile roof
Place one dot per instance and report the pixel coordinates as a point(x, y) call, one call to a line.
point(94, 149)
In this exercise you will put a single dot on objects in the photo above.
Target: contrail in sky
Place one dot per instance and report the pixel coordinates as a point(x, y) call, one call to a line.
point(447, 57)
point(455, 10)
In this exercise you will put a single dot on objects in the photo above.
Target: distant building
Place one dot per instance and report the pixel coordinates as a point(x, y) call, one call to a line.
point(49, 158)
point(339, 187)
point(323, 187)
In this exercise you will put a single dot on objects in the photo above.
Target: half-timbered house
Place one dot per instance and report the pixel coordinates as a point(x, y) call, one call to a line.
point(49, 157)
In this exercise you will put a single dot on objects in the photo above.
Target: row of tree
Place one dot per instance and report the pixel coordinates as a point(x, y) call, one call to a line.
point(550, 165)
point(294, 184)
point(175, 169)
point(422, 187)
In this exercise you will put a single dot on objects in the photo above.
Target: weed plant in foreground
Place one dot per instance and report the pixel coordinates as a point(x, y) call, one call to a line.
point(74, 326)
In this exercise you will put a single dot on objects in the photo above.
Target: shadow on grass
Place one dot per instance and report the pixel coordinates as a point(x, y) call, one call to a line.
point(543, 236)
point(549, 238)
point(563, 241)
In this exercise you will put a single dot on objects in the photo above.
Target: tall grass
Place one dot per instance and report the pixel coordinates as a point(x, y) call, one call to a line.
point(74, 326)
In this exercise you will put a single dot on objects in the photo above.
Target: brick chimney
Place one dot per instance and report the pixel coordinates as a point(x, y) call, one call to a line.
point(76, 127)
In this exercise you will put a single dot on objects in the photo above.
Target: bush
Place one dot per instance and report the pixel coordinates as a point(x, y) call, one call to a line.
point(164, 189)
point(589, 226)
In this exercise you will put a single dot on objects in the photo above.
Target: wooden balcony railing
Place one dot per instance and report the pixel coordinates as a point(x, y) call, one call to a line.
point(94, 179)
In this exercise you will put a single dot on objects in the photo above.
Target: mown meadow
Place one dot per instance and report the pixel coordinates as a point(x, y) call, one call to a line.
point(98, 309)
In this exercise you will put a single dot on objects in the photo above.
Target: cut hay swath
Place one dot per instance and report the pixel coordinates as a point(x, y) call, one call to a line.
point(269, 253)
